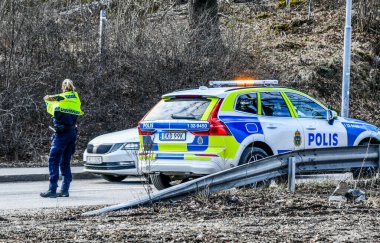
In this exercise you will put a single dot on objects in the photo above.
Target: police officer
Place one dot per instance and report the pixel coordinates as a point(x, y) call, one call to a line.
point(65, 109)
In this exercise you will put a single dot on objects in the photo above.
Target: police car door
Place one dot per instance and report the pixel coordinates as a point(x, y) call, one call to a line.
point(312, 116)
point(282, 132)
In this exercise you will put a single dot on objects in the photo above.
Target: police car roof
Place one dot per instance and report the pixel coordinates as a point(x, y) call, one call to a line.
point(215, 92)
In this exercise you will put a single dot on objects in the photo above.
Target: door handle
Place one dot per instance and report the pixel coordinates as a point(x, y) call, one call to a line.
point(310, 128)
point(271, 126)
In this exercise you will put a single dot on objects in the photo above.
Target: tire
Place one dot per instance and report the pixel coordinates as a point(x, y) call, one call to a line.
point(363, 143)
point(160, 181)
point(113, 178)
point(252, 154)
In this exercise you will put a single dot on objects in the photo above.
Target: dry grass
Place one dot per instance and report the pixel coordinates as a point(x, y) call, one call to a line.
point(243, 215)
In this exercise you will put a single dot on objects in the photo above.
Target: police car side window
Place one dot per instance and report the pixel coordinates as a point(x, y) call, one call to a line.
point(305, 107)
point(247, 103)
point(272, 104)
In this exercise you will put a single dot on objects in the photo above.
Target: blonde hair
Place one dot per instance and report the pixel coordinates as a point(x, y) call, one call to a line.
point(68, 85)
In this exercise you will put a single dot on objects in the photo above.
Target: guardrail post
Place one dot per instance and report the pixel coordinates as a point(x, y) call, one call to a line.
point(292, 174)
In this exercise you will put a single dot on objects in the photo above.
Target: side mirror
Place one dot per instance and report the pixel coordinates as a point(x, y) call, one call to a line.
point(330, 117)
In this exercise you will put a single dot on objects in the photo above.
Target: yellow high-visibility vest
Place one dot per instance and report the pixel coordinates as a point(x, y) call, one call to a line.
point(69, 103)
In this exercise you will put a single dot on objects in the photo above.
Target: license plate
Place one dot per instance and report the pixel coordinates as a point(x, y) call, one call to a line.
point(173, 136)
point(94, 160)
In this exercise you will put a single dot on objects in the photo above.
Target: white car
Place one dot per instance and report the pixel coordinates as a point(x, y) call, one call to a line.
point(114, 156)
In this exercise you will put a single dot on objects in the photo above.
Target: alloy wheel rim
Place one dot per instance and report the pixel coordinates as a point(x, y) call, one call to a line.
point(255, 157)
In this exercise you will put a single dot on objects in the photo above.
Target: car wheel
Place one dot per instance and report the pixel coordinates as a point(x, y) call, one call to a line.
point(252, 154)
point(160, 181)
point(113, 178)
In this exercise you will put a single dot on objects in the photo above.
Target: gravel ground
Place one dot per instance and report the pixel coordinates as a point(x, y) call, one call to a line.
point(238, 215)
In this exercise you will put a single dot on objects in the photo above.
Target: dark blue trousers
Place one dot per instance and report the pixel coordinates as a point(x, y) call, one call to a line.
point(62, 148)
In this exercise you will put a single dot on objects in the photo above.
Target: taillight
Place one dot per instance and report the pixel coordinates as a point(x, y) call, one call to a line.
point(145, 133)
point(217, 127)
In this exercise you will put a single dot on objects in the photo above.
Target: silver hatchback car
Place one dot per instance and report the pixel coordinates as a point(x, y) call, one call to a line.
point(114, 156)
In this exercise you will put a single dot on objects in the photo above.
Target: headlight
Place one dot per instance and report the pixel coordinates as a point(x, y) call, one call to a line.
point(131, 146)
point(115, 147)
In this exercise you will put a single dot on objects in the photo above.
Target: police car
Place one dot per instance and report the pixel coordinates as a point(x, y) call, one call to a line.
point(113, 155)
point(191, 133)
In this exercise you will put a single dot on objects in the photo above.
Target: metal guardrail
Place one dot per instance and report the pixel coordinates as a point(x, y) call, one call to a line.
point(311, 160)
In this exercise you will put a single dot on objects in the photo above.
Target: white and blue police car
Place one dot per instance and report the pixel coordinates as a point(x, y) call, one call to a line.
point(191, 133)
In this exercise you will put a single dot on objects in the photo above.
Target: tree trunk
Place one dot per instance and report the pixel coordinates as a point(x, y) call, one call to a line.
point(204, 25)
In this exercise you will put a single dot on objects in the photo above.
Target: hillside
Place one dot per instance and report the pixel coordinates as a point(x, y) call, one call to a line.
point(43, 42)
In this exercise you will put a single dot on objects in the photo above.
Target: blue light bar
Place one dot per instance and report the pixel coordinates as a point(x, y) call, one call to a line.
point(242, 83)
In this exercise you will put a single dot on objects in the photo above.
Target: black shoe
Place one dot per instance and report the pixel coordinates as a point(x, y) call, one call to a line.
point(50, 193)
point(63, 194)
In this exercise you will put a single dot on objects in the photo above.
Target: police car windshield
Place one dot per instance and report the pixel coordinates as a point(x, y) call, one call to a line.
point(179, 108)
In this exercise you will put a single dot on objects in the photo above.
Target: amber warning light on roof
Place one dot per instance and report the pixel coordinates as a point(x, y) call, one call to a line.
point(242, 83)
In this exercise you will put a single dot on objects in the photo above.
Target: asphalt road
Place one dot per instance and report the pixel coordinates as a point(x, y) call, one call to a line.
point(25, 195)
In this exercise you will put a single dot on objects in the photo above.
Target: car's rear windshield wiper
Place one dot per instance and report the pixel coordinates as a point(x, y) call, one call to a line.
point(183, 117)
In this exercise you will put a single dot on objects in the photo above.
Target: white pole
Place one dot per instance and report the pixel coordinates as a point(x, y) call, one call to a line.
point(346, 61)
point(102, 31)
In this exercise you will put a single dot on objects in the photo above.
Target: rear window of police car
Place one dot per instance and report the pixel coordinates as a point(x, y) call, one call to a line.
point(179, 108)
